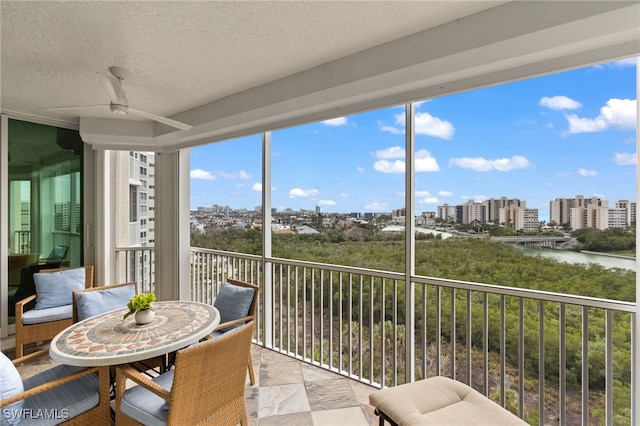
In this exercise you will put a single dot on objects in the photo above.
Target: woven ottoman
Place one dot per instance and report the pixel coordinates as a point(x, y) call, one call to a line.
point(438, 401)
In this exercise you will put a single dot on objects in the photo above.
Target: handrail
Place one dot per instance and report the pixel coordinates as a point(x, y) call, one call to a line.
point(351, 321)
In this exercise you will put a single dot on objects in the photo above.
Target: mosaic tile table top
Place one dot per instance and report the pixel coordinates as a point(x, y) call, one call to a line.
point(107, 339)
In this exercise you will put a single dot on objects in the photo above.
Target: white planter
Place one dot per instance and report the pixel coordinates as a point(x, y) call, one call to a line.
point(144, 316)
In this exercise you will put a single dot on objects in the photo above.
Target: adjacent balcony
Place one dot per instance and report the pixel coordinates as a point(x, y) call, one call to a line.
point(550, 358)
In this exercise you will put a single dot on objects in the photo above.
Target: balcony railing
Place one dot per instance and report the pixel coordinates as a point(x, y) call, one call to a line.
point(558, 358)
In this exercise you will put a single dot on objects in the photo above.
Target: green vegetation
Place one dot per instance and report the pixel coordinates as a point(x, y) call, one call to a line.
point(473, 260)
point(609, 240)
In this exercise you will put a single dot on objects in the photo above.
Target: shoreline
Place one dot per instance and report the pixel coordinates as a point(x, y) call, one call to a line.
point(607, 254)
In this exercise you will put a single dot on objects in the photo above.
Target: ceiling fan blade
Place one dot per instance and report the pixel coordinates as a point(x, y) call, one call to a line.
point(114, 88)
point(161, 119)
point(102, 107)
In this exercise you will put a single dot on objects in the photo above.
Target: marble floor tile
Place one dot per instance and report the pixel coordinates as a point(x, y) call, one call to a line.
point(280, 373)
point(352, 416)
point(311, 373)
point(295, 419)
point(268, 356)
point(330, 394)
point(252, 401)
point(283, 399)
point(362, 391)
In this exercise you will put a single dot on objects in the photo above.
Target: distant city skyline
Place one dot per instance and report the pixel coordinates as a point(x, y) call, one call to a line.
point(555, 136)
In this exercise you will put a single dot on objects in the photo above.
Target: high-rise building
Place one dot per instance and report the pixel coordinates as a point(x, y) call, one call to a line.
point(493, 206)
point(520, 218)
point(472, 212)
point(560, 211)
point(447, 213)
point(135, 190)
point(630, 209)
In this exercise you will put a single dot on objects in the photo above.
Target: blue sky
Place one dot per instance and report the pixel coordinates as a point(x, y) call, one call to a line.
point(556, 136)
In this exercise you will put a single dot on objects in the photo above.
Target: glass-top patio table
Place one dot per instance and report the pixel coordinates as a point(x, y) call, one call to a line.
point(107, 339)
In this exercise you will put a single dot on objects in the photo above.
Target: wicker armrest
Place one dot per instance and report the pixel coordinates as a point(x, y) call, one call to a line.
point(233, 322)
point(124, 372)
point(48, 386)
point(21, 303)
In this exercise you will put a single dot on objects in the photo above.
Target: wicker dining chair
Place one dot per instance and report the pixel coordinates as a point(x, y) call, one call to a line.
point(49, 322)
point(68, 395)
point(236, 301)
point(206, 385)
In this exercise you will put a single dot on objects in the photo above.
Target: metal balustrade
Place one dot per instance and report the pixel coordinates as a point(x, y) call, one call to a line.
point(540, 354)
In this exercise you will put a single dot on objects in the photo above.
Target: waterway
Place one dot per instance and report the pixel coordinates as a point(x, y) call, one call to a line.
point(578, 257)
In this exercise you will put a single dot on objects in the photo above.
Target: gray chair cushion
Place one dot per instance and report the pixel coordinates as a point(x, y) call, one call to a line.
point(146, 407)
point(61, 403)
point(37, 316)
point(96, 302)
point(55, 288)
point(233, 301)
point(10, 385)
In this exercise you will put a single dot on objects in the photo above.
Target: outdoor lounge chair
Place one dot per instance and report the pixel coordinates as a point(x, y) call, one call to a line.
point(438, 401)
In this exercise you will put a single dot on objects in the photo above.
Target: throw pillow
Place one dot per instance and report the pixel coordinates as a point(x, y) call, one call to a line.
point(55, 288)
point(233, 301)
point(10, 385)
point(96, 302)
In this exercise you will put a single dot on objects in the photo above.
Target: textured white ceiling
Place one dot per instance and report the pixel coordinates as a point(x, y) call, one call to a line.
point(232, 68)
point(183, 54)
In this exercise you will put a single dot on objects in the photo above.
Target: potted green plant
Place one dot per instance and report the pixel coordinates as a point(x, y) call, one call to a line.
point(142, 306)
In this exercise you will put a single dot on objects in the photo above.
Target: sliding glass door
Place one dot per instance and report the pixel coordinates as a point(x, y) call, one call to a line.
point(44, 215)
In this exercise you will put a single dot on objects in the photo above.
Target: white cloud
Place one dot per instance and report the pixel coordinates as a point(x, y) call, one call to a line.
point(257, 187)
point(628, 62)
point(239, 175)
point(335, 122)
point(201, 174)
point(377, 206)
point(618, 114)
point(391, 152)
point(422, 194)
point(360, 169)
point(205, 175)
point(625, 158)
point(481, 164)
point(445, 194)
point(327, 203)
point(475, 198)
point(559, 102)
point(298, 192)
point(587, 172)
point(384, 166)
point(428, 200)
point(425, 124)
point(623, 63)
point(424, 161)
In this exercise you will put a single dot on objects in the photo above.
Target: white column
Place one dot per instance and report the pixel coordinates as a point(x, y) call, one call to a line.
point(409, 236)
point(99, 243)
point(172, 244)
point(266, 239)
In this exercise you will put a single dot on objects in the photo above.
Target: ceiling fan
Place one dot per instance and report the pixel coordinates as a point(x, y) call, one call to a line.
point(119, 103)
